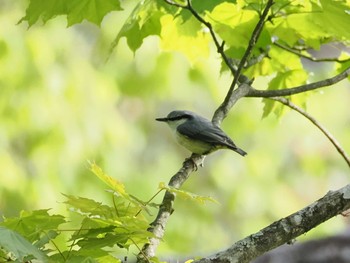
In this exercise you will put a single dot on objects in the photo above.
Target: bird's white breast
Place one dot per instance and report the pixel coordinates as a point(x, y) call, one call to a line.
point(194, 146)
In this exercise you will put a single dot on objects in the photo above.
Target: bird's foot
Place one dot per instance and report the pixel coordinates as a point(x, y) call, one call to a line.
point(196, 160)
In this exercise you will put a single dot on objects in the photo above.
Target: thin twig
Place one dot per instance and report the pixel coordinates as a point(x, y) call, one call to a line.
point(227, 104)
point(252, 42)
point(55, 245)
point(175, 4)
point(149, 201)
point(140, 250)
point(219, 46)
point(300, 89)
point(336, 144)
point(298, 53)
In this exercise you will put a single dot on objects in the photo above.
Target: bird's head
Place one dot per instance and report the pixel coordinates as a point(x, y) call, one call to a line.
point(176, 118)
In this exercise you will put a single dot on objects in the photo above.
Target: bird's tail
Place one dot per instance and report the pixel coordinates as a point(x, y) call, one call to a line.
point(239, 150)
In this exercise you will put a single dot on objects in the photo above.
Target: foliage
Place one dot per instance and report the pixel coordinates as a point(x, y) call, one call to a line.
point(98, 229)
point(20, 248)
point(76, 11)
point(301, 26)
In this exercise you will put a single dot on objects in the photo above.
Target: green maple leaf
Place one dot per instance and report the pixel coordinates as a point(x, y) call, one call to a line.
point(76, 10)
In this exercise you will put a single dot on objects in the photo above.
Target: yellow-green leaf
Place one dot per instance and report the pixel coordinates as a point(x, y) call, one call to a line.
point(187, 37)
point(110, 181)
point(188, 195)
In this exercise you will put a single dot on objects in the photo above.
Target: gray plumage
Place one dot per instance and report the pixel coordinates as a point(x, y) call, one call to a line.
point(198, 134)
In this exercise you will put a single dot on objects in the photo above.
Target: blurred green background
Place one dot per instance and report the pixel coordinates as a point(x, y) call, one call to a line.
point(64, 101)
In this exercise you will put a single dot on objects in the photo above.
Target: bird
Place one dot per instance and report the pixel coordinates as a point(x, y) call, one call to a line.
point(198, 134)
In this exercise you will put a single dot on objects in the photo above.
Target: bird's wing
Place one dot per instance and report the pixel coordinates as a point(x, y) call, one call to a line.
point(205, 131)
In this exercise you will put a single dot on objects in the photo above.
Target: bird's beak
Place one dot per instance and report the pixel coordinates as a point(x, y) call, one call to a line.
point(162, 119)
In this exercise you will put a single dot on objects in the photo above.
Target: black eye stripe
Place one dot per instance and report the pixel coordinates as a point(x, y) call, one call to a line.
point(180, 117)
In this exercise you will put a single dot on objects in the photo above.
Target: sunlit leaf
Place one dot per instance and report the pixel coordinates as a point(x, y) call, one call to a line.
point(187, 195)
point(119, 188)
point(269, 105)
point(91, 10)
point(111, 182)
point(76, 10)
point(340, 67)
point(288, 79)
point(233, 24)
point(187, 37)
point(291, 78)
point(144, 21)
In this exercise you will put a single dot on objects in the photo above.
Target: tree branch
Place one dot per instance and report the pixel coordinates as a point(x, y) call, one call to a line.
point(229, 101)
point(170, 2)
point(285, 229)
point(300, 89)
point(166, 208)
point(298, 53)
point(157, 227)
point(317, 124)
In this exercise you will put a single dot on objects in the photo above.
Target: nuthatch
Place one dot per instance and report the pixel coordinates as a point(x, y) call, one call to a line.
point(198, 134)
